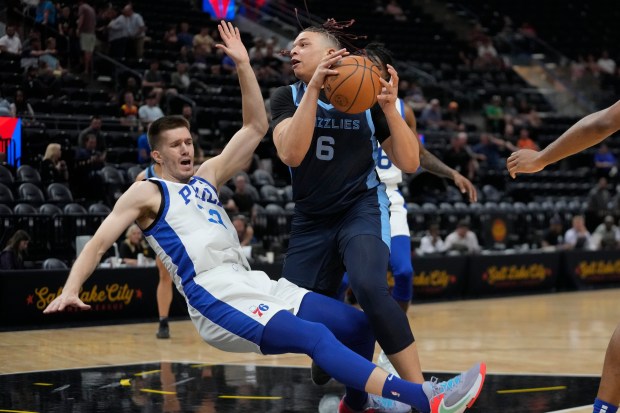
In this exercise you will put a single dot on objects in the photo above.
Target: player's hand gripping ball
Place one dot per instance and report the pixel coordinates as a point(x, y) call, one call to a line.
point(356, 86)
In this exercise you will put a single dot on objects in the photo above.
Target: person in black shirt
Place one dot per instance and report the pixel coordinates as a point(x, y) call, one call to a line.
point(553, 237)
point(53, 168)
point(11, 258)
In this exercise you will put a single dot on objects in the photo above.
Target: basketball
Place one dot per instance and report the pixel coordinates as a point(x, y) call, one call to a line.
point(356, 86)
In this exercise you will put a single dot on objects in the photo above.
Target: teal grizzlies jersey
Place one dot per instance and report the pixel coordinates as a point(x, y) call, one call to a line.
point(339, 167)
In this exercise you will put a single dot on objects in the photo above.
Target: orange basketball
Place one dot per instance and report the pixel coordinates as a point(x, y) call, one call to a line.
point(356, 86)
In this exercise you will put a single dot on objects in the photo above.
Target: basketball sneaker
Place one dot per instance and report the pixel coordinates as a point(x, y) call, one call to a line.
point(456, 394)
point(163, 331)
point(376, 404)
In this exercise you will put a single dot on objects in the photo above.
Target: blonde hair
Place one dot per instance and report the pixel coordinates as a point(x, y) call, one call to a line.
point(52, 148)
point(131, 229)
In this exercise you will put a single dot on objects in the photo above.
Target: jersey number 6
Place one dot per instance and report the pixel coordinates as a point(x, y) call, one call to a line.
point(324, 148)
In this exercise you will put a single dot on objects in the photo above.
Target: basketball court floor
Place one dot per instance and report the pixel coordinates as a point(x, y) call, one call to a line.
point(544, 353)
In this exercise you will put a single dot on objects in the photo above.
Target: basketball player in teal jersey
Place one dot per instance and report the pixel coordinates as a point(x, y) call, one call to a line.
point(233, 308)
point(341, 216)
point(588, 132)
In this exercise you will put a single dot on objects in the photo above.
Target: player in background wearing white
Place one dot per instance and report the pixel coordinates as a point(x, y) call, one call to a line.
point(588, 132)
point(233, 308)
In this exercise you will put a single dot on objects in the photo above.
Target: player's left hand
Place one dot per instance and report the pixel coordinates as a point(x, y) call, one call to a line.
point(389, 93)
point(233, 46)
point(524, 161)
point(465, 186)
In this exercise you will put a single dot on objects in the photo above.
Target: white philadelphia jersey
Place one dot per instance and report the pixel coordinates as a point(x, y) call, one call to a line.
point(192, 233)
point(388, 172)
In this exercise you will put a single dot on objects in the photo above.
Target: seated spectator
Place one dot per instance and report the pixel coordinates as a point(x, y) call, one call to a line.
point(133, 246)
point(525, 141)
point(245, 232)
point(395, 10)
point(180, 79)
point(87, 182)
point(93, 129)
point(462, 240)
point(204, 40)
point(53, 168)
point(131, 85)
point(553, 237)
point(153, 80)
point(487, 55)
point(50, 57)
point(150, 111)
point(12, 256)
point(243, 197)
point(489, 151)
point(431, 243)
point(451, 119)
point(144, 149)
point(460, 157)
point(431, 115)
point(607, 235)
point(47, 81)
point(494, 115)
point(185, 38)
point(605, 161)
point(598, 201)
point(20, 107)
point(129, 111)
point(10, 42)
point(578, 236)
point(171, 41)
point(5, 107)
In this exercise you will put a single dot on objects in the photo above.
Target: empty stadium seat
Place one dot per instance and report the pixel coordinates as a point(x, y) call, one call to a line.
point(59, 193)
point(74, 209)
point(27, 174)
point(24, 209)
point(30, 193)
point(99, 209)
point(50, 209)
point(6, 196)
point(54, 264)
point(6, 177)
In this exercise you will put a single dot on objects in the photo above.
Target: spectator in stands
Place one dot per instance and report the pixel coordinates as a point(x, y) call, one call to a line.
point(494, 115)
point(412, 94)
point(431, 243)
point(605, 162)
point(489, 151)
point(510, 110)
point(578, 236)
point(204, 40)
point(20, 106)
point(87, 182)
point(228, 65)
point(144, 149)
point(188, 113)
point(243, 197)
point(553, 237)
point(136, 31)
point(10, 42)
point(487, 55)
point(180, 79)
point(68, 43)
point(129, 111)
point(131, 85)
point(395, 10)
point(525, 141)
point(12, 256)
point(460, 157)
point(153, 80)
point(431, 116)
point(607, 235)
point(171, 41)
point(49, 56)
point(185, 38)
point(598, 201)
point(45, 17)
point(577, 69)
point(150, 111)
point(93, 129)
point(607, 68)
point(532, 118)
point(245, 232)
point(5, 106)
point(86, 24)
point(451, 119)
point(32, 51)
point(462, 240)
point(133, 246)
point(47, 82)
point(53, 168)
point(117, 36)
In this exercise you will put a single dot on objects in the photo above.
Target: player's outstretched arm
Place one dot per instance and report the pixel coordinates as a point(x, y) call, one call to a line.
point(238, 152)
point(127, 209)
point(589, 131)
point(402, 147)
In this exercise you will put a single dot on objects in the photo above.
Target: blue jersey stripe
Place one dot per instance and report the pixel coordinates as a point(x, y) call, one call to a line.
point(201, 179)
point(384, 206)
point(372, 179)
point(199, 298)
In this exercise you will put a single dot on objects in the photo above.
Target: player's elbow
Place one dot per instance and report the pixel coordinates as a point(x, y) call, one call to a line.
point(290, 158)
point(409, 165)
